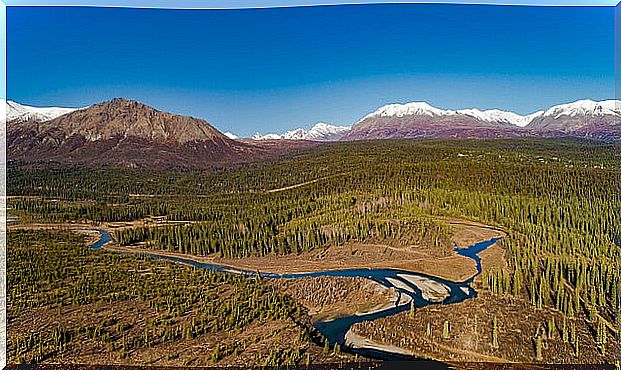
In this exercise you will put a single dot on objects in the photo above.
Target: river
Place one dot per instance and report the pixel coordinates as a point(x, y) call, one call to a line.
point(419, 288)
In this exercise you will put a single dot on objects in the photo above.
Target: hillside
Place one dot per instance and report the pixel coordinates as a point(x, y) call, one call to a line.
point(583, 118)
point(126, 133)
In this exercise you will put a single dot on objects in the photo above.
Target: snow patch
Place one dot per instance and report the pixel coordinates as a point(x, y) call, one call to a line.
point(258, 136)
point(321, 131)
point(22, 113)
point(500, 116)
point(580, 107)
point(409, 109)
point(585, 107)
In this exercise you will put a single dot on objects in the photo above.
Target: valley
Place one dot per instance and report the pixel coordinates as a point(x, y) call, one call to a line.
point(349, 255)
point(369, 206)
point(309, 186)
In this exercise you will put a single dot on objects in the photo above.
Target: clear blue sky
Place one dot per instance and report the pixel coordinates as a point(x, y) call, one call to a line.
point(276, 69)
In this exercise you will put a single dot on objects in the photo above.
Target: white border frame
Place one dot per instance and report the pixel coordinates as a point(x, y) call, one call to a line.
point(216, 4)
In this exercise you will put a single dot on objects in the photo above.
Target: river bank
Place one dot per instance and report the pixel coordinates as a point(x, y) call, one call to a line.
point(470, 328)
point(352, 255)
point(414, 289)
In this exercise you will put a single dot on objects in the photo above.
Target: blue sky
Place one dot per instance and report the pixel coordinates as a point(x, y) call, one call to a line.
point(276, 69)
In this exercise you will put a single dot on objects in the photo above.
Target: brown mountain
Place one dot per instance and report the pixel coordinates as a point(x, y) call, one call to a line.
point(127, 133)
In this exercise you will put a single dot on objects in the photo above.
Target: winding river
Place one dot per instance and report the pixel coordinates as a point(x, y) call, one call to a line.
point(421, 289)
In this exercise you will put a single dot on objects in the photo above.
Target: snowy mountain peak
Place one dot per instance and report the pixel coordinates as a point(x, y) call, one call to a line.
point(408, 109)
point(585, 107)
point(500, 116)
point(21, 113)
point(297, 134)
point(231, 135)
point(321, 131)
point(580, 107)
point(272, 136)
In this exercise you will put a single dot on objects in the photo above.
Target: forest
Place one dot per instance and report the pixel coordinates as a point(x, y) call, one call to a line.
point(559, 200)
point(130, 304)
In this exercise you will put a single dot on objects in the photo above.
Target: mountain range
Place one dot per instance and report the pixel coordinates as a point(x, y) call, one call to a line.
point(319, 132)
point(16, 112)
point(128, 133)
point(583, 118)
point(121, 132)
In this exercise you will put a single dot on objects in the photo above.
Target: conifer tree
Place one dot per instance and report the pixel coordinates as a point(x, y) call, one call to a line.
point(446, 329)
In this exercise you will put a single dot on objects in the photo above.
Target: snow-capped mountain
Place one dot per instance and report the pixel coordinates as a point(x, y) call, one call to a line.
point(326, 132)
point(500, 116)
point(297, 134)
point(319, 132)
point(21, 113)
point(424, 109)
point(584, 118)
point(585, 107)
point(419, 120)
point(258, 136)
point(231, 135)
point(408, 109)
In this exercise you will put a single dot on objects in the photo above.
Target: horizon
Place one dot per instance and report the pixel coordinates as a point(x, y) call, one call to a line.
point(312, 125)
point(275, 70)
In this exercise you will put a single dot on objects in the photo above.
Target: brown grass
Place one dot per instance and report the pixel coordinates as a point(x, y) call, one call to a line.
point(470, 333)
point(364, 255)
point(332, 297)
point(258, 339)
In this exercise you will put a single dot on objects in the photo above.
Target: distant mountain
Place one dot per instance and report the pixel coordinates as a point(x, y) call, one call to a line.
point(500, 116)
point(128, 133)
point(259, 137)
point(319, 132)
point(421, 120)
point(326, 132)
point(584, 118)
point(16, 112)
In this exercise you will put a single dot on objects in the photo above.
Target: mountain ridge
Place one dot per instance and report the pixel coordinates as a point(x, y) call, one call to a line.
point(320, 131)
point(126, 133)
point(421, 120)
point(129, 133)
point(21, 113)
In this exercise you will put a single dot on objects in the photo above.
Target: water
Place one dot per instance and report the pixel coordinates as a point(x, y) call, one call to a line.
point(473, 253)
point(335, 330)
point(104, 238)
